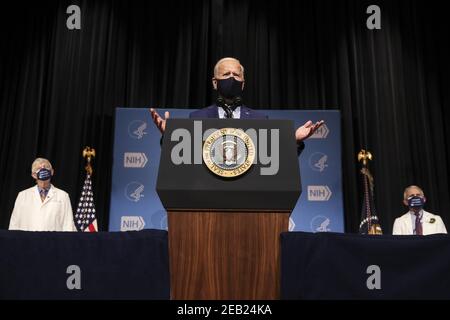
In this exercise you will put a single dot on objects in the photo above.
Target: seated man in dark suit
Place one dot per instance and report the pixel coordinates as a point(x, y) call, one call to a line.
point(229, 82)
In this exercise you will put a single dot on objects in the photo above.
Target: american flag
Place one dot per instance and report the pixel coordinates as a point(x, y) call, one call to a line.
point(85, 218)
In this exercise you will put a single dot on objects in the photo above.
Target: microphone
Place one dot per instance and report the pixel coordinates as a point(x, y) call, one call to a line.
point(237, 102)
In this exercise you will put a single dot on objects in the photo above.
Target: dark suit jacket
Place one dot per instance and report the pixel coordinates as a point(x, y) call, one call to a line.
point(246, 113)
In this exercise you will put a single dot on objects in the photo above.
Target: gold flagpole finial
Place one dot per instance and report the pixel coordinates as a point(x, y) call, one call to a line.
point(88, 153)
point(364, 156)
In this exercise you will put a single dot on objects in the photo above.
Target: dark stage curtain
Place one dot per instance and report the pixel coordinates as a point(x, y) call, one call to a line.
point(59, 88)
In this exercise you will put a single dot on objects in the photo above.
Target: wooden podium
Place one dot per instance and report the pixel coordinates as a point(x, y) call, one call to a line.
point(224, 233)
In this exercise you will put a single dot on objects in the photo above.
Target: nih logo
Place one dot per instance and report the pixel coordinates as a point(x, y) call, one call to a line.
point(134, 191)
point(320, 224)
point(291, 224)
point(136, 129)
point(131, 223)
point(319, 193)
point(321, 133)
point(134, 159)
point(318, 161)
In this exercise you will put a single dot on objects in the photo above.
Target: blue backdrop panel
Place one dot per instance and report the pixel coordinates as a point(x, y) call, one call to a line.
point(320, 207)
point(111, 265)
point(135, 204)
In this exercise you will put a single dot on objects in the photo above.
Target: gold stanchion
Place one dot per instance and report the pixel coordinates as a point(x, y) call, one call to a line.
point(369, 220)
point(88, 154)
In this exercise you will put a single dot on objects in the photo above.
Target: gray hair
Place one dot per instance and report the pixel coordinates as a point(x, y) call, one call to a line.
point(410, 187)
point(216, 67)
point(38, 164)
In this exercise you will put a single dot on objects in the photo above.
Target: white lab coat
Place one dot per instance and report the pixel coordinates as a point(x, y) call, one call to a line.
point(403, 225)
point(31, 214)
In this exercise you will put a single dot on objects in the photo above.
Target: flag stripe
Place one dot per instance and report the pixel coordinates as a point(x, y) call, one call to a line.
point(92, 228)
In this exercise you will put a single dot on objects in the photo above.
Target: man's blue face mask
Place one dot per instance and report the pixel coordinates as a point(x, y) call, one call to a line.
point(44, 174)
point(416, 201)
point(229, 88)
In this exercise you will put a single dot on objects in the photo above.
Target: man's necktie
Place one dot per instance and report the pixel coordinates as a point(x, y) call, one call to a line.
point(43, 194)
point(418, 224)
point(228, 112)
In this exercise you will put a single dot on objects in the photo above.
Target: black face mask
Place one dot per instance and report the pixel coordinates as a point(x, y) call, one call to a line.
point(229, 88)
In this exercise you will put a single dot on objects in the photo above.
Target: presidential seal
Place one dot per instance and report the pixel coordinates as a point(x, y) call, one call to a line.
point(228, 152)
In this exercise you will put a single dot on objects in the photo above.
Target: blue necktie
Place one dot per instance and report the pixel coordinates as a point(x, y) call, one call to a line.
point(43, 193)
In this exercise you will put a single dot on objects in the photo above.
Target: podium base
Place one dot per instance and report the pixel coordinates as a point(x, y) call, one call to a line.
point(225, 255)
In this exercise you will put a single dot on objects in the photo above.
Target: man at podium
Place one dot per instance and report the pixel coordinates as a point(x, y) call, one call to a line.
point(229, 82)
point(235, 243)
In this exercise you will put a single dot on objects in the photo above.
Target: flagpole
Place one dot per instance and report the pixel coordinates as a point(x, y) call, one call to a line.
point(368, 203)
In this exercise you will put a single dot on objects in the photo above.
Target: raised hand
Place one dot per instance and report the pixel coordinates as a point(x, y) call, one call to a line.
point(158, 120)
point(307, 130)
